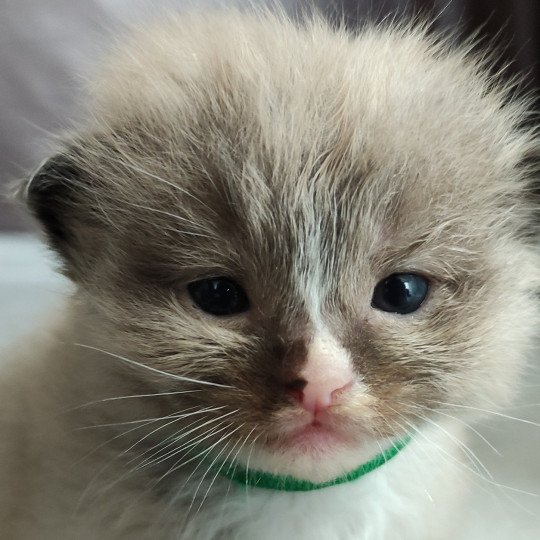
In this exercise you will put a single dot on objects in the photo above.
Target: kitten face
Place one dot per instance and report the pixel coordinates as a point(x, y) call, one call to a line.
point(306, 179)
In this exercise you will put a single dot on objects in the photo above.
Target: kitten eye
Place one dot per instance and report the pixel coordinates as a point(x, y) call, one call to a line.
point(219, 296)
point(400, 293)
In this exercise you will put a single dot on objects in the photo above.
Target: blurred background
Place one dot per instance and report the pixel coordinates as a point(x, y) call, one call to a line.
point(48, 48)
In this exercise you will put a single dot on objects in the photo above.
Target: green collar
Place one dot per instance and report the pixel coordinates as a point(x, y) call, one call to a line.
point(267, 480)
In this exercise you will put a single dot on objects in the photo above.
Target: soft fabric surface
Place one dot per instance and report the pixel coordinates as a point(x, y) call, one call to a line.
point(29, 289)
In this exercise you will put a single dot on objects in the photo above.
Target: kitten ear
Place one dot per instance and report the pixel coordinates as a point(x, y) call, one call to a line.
point(58, 196)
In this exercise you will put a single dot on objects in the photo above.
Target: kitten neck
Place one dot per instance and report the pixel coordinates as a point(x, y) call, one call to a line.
point(266, 480)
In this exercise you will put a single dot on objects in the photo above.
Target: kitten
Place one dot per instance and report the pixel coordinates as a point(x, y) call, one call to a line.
point(302, 258)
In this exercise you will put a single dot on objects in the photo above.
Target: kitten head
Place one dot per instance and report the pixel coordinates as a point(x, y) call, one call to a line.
point(330, 229)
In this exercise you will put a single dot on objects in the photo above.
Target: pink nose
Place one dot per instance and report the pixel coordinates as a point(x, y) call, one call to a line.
point(326, 376)
point(318, 396)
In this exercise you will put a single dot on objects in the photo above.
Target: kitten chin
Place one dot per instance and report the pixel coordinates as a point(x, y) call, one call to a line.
point(294, 249)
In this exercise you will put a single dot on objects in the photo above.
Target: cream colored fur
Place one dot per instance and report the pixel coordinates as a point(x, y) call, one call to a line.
point(346, 158)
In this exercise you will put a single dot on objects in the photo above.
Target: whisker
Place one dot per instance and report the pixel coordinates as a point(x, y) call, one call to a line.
point(234, 460)
point(252, 446)
point(232, 463)
point(487, 411)
point(249, 458)
point(217, 472)
point(471, 455)
point(201, 455)
point(239, 450)
point(134, 396)
point(122, 477)
point(475, 431)
point(126, 433)
point(419, 459)
point(464, 465)
point(210, 468)
point(112, 439)
point(194, 443)
point(126, 474)
point(419, 432)
point(179, 464)
point(524, 405)
point(149, 368)
point(130, 422)
point(459, 420)
point(203, 411)
point(171, 440)
point(177, 438)
point(185, 447)
point(109, 464)
point(454, 463)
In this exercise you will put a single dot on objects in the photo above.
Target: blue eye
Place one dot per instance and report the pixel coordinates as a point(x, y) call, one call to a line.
point(400, 293)
point(219, 296)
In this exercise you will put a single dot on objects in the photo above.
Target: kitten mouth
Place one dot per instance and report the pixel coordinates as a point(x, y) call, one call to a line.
point(315, 437)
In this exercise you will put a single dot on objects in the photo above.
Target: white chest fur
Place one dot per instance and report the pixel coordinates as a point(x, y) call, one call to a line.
point(412, 497)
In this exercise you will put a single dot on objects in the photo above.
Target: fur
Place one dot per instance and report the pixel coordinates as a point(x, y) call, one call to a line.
point(308, 163)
